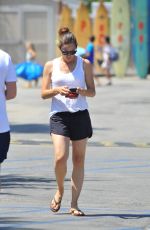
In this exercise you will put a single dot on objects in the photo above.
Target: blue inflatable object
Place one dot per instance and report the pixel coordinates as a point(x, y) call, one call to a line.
point(29, 70)
point(80, 51)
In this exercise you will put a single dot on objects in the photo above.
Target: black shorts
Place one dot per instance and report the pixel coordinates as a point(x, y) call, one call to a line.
point(4, 145)
point(76, 125)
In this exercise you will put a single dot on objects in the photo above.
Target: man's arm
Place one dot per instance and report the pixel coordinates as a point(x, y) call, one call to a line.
point(11, 90)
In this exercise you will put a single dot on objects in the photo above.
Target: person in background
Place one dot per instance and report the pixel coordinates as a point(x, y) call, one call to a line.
point(8, 91)
point(31, 55)
point(68, 80)
point(30, 70)
point(90, 52)
point(107, 63)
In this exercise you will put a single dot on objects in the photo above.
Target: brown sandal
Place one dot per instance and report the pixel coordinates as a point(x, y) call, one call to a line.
point(76, 212)
point(55, 204)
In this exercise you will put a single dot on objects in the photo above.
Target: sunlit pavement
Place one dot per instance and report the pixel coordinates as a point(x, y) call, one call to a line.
point(115, 194)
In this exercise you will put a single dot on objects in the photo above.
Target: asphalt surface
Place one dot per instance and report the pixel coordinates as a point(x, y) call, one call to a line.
point(116, 191)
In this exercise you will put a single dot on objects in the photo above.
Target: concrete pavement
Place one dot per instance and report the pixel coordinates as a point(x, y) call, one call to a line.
point(115, 194)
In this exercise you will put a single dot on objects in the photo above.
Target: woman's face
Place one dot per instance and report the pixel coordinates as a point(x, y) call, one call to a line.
point(28, 45)
point(68, 52)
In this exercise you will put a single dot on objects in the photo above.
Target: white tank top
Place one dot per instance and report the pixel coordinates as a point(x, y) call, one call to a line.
point(73, 79)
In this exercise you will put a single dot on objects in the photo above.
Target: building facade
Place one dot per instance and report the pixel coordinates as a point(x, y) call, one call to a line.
point(28, 20)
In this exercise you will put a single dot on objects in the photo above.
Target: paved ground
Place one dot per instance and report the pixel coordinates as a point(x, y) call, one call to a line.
point(115, 195)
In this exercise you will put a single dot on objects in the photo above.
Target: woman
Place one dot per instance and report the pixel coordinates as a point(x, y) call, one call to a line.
point(30, 70)
point(68, 80)
point(107, 63)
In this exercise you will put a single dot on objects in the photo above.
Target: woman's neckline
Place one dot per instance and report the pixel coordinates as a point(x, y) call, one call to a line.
point(71, 68)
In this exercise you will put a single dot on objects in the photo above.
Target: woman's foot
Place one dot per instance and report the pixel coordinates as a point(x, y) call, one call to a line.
point(56, 203)
point(76, 212)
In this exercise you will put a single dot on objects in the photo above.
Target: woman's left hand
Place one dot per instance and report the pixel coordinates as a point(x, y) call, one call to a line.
point(81, 91)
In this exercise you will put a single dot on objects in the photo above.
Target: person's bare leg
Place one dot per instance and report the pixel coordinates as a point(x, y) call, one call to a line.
point(61, 149)
point(78, 157)
point(36, 82)
point(28, 84)
point(97, 80)
point(108, 76)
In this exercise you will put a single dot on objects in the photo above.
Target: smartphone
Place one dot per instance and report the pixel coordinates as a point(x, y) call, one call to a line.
point(72, 94)
point(73, 90)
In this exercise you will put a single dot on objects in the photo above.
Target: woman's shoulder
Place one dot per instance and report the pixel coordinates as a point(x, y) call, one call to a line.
point(48, 66)
point(86, 64)
point(51, 62)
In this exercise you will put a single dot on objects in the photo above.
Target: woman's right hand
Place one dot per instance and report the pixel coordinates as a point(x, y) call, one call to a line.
point(47, 90)
point(63, 90)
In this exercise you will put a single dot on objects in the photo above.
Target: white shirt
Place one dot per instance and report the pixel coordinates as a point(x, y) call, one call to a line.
point(106, 52)
point(74, 79)
point(7, 74)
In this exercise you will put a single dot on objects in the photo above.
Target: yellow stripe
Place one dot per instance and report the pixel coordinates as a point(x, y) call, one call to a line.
point(99, 143)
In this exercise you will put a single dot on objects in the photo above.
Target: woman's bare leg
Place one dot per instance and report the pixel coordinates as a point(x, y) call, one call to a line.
point(108, 75)
point(61, 150)
point(78, 158)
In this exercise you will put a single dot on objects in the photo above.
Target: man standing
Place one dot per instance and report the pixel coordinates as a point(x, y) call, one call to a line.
point(8, 91)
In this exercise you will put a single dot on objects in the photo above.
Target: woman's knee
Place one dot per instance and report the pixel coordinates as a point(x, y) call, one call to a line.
point(60, 160)
point(78, 161)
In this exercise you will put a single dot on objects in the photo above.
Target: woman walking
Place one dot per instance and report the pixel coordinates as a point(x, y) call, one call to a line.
point(68, 80)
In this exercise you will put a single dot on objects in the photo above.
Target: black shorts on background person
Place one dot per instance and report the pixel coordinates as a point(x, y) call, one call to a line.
point(4, 145)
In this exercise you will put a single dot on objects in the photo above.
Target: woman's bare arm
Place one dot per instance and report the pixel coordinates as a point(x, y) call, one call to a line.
point(89, 79)
point(11, 90)
point(47, 90)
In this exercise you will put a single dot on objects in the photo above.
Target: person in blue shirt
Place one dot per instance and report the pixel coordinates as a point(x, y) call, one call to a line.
point(90, 49)
point(90, 52)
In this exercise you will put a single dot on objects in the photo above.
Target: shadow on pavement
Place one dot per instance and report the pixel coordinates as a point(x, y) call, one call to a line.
point(10, 221)
point(29, 128)
point(14, 228)
point(122, 216)
point(29, 182)
point(101, 129)
point(17, 181)
point(40, 128)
